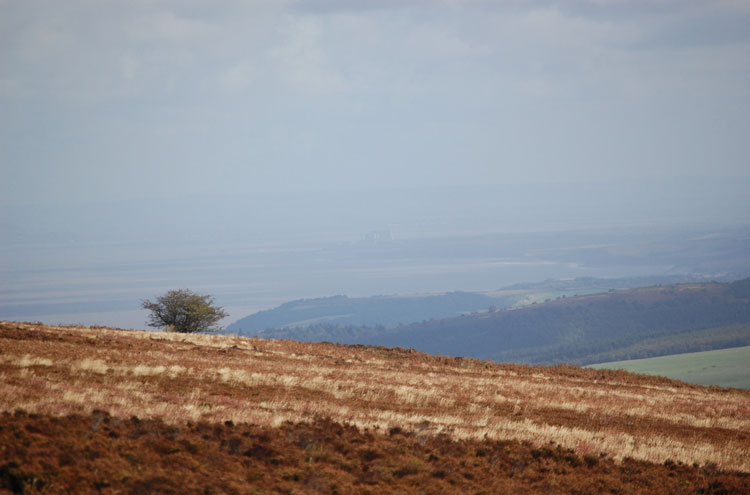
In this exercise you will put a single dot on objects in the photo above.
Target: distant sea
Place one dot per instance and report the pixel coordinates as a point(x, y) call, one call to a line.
point(93, 264)
point(104, 283)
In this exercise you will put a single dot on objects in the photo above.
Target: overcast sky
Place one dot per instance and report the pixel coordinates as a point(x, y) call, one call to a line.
point(149, 98)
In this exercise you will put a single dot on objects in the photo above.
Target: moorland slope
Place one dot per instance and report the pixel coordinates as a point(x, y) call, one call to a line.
point(90, 410)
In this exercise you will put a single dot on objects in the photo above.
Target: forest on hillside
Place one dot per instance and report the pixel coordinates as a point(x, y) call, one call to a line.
point(385, 311)
point(609, 326)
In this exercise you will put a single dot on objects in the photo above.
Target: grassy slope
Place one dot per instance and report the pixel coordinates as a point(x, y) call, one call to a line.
point(142, 412)
point(725, 367)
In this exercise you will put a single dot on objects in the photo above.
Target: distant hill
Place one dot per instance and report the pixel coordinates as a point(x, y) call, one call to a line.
point(610, 326)
point(386, 311)
point(332, 314)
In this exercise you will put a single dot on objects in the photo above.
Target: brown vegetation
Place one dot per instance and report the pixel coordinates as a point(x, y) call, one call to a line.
point(192, 384)
point(104, 454)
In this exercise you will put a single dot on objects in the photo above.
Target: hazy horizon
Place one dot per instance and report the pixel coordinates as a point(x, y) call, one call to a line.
point(145, 144)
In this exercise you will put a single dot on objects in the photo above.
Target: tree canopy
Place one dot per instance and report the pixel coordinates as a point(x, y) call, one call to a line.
point(184, 311)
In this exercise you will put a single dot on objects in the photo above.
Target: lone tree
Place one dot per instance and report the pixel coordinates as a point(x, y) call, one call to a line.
point(184, 311)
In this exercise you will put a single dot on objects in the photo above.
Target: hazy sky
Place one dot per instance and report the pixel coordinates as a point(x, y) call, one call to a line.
point(149, 98)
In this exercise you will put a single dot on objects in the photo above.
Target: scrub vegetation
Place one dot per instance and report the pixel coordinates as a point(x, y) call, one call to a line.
point(184, 311)
point(139, 411)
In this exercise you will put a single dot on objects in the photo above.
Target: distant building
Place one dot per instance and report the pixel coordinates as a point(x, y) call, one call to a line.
point(378, 236)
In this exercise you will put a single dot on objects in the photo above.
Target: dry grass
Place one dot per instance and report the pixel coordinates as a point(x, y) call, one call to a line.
point(177, 378)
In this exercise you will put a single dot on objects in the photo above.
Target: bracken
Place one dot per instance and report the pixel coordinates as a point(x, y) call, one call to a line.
point(178, 378)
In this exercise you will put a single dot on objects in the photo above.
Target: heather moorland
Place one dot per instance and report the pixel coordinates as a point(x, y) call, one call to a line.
point(137, 411)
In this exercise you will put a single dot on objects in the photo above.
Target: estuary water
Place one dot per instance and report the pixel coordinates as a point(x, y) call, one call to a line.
point(104, 283)
point(93, 264)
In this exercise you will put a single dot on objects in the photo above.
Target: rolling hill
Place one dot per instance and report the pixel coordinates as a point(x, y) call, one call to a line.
point(609, 326)
point(386, 311)
point(96, 410)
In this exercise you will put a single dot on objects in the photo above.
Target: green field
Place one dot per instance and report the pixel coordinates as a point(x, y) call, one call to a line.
point(724, 367)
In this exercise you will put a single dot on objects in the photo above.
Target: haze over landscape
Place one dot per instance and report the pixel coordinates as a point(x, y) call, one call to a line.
point(251, 149)
point(463, 246)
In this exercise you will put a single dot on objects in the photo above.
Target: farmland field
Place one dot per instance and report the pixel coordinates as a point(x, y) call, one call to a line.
point(112, 411)
point(723, 367)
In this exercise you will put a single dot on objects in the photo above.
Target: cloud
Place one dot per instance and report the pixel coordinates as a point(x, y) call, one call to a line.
point(342, 92)
point(301, 59)
point(161, 26)
point(129, 66)
point(702, 28)
point(34, 40)
point(438, 41)
point(11, 89)
point(237, 77)
point(337, 6)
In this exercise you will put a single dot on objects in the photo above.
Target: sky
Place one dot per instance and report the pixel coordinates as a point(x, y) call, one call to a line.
point(141, 137)
point(143, 99)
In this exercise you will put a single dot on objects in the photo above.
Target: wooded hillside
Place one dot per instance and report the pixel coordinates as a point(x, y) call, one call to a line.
point(610, 326)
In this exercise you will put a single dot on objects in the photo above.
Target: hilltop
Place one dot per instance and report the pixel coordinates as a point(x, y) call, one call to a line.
point(95, 409)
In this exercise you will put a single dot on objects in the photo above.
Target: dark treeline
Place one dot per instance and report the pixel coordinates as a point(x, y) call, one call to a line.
point(338, 312)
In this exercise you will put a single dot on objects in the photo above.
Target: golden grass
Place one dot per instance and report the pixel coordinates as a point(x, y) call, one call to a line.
point(177, 377)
